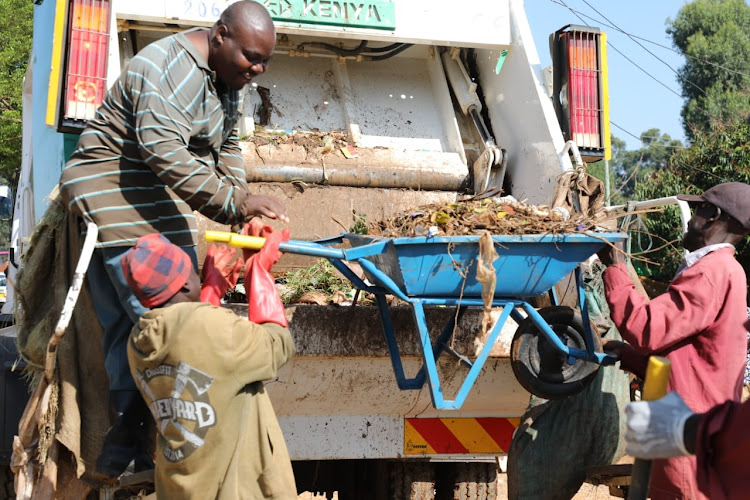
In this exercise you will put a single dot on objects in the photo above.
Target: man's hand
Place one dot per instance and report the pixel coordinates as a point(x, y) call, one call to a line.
point(614, 347)
point(611, 255)
point(269, 254)
point(630, 360)
point(219, 273)
point(656, 428)
point(219, 259)
point(264, 303)
point(267, 206)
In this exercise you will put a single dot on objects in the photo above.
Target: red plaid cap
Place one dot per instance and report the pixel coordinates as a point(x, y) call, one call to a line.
point(156, 269)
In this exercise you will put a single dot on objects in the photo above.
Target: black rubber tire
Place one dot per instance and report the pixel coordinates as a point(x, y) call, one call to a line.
point(7, 491)
point(412, 480)
point(540, 367)
point(469, 481)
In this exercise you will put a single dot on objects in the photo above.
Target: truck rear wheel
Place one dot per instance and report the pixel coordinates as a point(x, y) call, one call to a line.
point(467, 481)
point(412, 480)
point(7, 491)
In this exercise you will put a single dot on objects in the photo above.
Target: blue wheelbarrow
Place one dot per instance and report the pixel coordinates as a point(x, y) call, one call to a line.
point(555, 351)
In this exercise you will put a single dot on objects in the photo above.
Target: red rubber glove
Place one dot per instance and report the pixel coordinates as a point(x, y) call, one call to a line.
point(252, 228)
point(219, 273)
point(264, 303)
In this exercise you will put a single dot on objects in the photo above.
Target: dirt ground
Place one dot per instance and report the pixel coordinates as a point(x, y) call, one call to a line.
point(590, 492)
point(587, 492)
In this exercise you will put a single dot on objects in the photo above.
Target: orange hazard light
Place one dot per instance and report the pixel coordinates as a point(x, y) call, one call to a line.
point(88, 46)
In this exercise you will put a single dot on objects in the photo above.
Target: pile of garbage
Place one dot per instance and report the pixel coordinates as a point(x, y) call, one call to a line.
point(315, 142)
point(501, 215)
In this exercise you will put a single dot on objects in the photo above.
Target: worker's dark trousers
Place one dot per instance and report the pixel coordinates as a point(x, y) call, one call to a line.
point(118, 309)
point(127, 440)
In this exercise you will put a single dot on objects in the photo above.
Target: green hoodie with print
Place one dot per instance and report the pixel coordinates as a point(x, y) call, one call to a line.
point(200, 369)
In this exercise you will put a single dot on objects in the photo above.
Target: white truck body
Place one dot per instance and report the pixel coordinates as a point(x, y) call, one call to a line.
point(341, 401)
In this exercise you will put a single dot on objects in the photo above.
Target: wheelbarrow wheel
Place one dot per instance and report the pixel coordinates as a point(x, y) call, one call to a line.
point(540, 367)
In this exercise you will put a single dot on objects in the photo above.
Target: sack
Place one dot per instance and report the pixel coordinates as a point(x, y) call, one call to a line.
point(41, 288)
point(579, 193)
point(558, 440)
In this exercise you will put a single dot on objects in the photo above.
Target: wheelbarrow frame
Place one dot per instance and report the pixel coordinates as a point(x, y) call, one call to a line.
point(430, 351)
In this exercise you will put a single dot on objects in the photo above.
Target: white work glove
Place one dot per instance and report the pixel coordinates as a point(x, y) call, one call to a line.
point(656, 428)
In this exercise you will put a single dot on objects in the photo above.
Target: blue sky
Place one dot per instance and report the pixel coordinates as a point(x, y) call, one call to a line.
point(643, 95)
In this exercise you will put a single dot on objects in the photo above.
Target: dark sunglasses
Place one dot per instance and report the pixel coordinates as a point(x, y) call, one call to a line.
point(705, 206)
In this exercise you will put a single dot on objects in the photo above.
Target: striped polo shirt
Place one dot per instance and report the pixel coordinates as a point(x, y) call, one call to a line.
point(163, 143)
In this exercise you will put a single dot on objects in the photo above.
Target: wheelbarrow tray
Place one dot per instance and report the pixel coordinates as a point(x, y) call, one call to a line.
point(442, 271)
point(445, 266)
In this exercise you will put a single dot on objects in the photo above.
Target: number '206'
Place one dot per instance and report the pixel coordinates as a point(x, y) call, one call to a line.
point(203, 8)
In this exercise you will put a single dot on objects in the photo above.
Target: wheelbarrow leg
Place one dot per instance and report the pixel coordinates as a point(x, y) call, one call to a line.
point(433, 380)
point(428, 358)
point(438, 348)
point(585, 314)
point(441, 342)
point(390, 340)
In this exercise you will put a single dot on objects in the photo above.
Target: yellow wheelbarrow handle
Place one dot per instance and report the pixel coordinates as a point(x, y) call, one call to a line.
point(654, 387)
point(657, 376)
point(236, 240)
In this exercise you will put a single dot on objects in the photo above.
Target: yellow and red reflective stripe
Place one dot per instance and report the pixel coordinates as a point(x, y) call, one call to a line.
point(500, 430)
point(604, 68)
point(456, 436)
point(53, 92)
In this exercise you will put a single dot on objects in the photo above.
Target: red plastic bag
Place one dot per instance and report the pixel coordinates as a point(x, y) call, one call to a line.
point(264, 303)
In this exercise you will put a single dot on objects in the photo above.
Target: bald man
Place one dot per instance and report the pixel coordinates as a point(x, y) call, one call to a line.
point(163, 144)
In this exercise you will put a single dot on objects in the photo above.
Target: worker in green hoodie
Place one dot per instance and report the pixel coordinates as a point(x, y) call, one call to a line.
point(200, 368)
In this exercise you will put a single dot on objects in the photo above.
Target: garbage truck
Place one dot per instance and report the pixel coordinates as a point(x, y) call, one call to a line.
point(368, 108)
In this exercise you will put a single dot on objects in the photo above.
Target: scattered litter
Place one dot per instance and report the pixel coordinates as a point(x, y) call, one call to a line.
point(327, 145)
point(349, 151)
point(314, 142)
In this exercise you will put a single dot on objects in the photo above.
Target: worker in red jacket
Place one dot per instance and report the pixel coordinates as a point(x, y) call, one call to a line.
point(697, 323)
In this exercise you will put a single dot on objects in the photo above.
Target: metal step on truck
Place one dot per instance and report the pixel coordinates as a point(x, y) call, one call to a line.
point(369, 108)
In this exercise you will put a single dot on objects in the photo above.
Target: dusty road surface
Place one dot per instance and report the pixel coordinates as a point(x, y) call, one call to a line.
point(587, 492)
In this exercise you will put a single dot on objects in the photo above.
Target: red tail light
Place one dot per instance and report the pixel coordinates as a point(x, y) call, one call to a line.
point(583, 90)
point(88, 46)
point(579, 89)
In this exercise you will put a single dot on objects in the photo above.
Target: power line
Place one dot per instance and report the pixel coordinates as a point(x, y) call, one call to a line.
point(666, 47)
point(640, 139)
point(578, 14)
point(683, 164)
point(644, 48)
point(717, 118)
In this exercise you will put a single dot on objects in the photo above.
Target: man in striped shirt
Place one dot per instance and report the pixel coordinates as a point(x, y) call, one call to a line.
point(163, 143)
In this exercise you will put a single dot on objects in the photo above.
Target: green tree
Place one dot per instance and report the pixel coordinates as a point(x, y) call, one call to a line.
point(16, 19)
point(597, 169)
point(629, 168)
point(714, 36)
point(720, 155)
